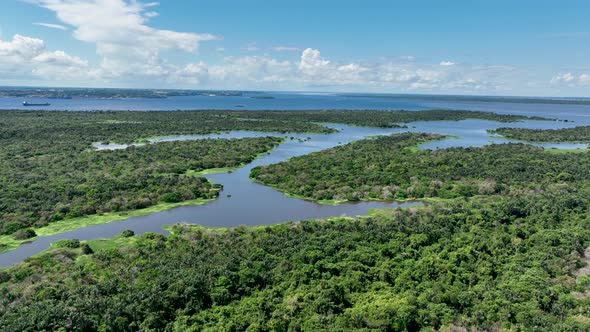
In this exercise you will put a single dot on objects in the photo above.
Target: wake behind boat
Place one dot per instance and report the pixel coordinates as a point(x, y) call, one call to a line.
point(26, 103)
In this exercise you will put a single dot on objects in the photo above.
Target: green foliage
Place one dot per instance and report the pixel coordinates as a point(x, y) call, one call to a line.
point(508, 261)
point(575, 134)
point(482, 264)
point(385, 119)
point(127, 233)
point(85, 249)
point(48, 173)
point(23, 234)
point(387, 168)
point(73, 243)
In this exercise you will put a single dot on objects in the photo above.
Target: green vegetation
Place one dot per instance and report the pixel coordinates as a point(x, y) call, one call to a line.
point(48, 172)
point(508, 252)
point(390, 167)
point(576, 134)
point(384, 119)
point(38, 190)
point(504, 262)
point(107, 93)
point(8, 242)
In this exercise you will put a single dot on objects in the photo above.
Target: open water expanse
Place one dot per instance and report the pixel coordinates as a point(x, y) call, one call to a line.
point(254, 204)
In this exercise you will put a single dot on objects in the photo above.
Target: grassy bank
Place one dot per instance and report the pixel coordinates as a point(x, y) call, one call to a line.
point(9, 243)
point(562, 151)
point(213, 170)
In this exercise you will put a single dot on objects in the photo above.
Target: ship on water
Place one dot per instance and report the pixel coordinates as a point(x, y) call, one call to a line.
point(26, 103)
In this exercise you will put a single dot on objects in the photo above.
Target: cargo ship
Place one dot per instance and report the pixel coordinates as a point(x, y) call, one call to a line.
point(26, 103)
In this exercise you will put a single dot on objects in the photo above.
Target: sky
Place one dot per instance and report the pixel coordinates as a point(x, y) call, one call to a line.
point(495, 47)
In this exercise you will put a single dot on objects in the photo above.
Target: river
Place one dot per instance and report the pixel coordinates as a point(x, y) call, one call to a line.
point(243, 202)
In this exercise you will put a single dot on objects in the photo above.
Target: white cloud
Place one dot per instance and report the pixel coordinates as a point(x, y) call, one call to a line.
point(252, 70)
point(60, 58)
point(570, 79)
point(133, 53)
point(563, 78)
point(446, 63)
point(285, 49)
point(312, 70)
point(125, 43)
point(51, 26)
point(24, 57)
point(312, 64)
point(193, 73)
point(21, 47)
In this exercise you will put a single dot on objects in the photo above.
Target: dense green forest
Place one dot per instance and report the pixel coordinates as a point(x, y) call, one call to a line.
point(384, 119)
point(48, 171)
point(40, 189)
point(575, 134)
point(506, 262)
point(391, 167)
point(506, 249)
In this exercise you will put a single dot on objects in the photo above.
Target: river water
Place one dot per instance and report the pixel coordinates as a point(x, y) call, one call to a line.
point(243, 202)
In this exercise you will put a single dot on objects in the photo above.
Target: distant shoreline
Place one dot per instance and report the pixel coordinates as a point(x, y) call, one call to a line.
point(114, 93)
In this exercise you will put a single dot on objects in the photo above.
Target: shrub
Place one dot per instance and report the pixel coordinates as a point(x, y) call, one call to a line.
point(85, 249)
point(70, 243)
point(23, 234)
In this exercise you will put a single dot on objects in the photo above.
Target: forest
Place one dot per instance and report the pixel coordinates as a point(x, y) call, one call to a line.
point(392, 167)
point(49, 172)
point(500, 244)
point(576, 134)
point(503, 262)
point(37, 190)
point(383, 119)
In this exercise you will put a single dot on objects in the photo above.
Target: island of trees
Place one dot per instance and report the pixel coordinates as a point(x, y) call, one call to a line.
point(393, 167)
point(49, 172)
point(580, 134)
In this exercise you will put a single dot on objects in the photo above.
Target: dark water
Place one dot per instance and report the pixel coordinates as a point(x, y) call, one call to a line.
point(254, 204)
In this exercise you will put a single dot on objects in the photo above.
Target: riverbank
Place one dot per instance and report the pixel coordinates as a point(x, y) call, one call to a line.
point(9, 243)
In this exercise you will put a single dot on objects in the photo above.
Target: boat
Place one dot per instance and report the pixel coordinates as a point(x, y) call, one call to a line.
point(26, 103)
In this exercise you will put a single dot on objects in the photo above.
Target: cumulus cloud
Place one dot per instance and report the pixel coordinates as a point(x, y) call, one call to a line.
point(570, 79)
point(51, 26)
point(252, 70)
point(25, 56)
point(312, 64)
point(122, 37)
point(285, 49)
point(314, 70)
point(133, 52)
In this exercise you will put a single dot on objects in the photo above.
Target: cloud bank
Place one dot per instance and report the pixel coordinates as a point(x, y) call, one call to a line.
point(25, 56)
point(132, 53)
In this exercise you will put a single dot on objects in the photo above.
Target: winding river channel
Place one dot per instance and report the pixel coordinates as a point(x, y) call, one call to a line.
point(243, 202)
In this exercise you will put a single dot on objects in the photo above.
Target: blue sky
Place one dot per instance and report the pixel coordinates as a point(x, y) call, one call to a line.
point(449, 47)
